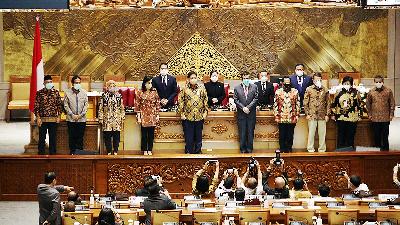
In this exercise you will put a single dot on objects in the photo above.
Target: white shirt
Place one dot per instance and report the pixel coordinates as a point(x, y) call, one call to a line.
point(362, 187)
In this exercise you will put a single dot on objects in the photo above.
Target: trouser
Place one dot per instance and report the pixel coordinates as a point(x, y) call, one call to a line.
point(76, 131)
point(312, 126)
point(246, 134)
point(345, 133)
point(286, 132)
point(193, 131)
point(52, 128)
point(115, 136)
point(147, 138)
point(381, 135)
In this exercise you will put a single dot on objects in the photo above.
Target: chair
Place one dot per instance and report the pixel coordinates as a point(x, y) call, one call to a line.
point(127, 215)
point(70, 218)
point(206, 216)
point(85, 82)
point(355, 75)
point(304, 215)
point(18, 96)
point(162, 216)
point(338, 216)
point(391, 215)
point(246, 216)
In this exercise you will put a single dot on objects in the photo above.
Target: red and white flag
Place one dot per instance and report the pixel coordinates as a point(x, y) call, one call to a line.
point(37, 78)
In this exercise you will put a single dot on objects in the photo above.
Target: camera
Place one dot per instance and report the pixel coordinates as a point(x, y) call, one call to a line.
point(212, 161)
point(278, 160)
point(231, 170)
point(339, 173)
point(252, 164)
point(299, 174)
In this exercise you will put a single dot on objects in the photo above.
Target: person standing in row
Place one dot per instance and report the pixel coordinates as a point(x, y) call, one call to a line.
point(287, 112)
point(76, 106)
point(193, 109)
point(47, 110)
point(245, 97)
point(347, 111)
point(147, 107)
point(111, 116)
point(166, 87)
point(380, 106)
point(265, 90)
point(215, 90)
point(316, 108)
point(300, 81)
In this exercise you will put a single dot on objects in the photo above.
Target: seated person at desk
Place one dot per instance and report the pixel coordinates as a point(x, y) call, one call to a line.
point(108, 217)
point(323, 194)
point(227, 182)
point(252, 185)
point(69, 206)
point(201, 185)
point(74, 197)
point(358, 188)
point(300, 189)
point(265, 90)
point(143, 192)
point(215, 90)
point(156, 201)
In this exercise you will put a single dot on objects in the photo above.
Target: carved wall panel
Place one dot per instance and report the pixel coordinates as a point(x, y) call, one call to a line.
point(102, 42)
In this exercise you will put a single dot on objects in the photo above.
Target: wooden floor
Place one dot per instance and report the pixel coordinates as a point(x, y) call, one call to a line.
point(20, 174)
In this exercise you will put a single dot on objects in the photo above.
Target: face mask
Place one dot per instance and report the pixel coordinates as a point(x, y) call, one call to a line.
point(163, 72)
point(299, 73)
point(77, 86)
point(114, 89)
point(378, 85)
point(346, 86)
point(246, 82)
point(49, 86)
point(263, 79)
point(148, 86)
point(193, 81)
point(318, 84)
point(214, 78)
point(287, 86)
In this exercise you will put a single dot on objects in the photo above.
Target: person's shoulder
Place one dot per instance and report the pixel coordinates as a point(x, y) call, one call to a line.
point(171, 77)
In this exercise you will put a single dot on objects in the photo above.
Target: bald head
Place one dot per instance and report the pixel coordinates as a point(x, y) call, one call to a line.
point(279, 182)
point(252, 183)
point(69, 207)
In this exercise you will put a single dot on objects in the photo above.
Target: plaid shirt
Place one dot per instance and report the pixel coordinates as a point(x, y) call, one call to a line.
point(193, 102)
point(48, 105)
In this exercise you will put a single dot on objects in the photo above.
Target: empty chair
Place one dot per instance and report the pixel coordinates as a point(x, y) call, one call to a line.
point(158, 217)
point(304, 215)
point(70, 218)
point(127, 215)
point(247, 216)
point(390, 215)
point(339, 216)
point(206, 216)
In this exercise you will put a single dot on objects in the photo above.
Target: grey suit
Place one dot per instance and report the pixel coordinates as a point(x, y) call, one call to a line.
point(49, 203)
point(246, 122)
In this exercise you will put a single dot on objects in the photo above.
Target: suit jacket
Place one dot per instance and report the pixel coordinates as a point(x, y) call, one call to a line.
point(265, 97)
point(215, 90)
point(250, 102)
point(307, 81)
point(166, 91)
point(49, 203)
point(156, 202)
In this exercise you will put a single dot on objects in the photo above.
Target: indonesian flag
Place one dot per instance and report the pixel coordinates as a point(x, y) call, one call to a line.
point(37, 78)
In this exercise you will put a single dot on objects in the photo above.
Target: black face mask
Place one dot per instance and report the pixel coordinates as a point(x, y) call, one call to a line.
point(287, 86)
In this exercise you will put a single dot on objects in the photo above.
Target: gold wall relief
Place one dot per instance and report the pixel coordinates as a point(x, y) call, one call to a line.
point(219, 128)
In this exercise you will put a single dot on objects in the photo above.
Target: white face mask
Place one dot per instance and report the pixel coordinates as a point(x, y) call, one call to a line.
point(318, 84)
point(378, 85)
point(49, 86)
point(214, 78)
point(148, 86)
point(114, 89)
point(164, 72)
point(193, 81)
point(346, 86)
point(263, 79)
point(299, 73)
point(77, 86)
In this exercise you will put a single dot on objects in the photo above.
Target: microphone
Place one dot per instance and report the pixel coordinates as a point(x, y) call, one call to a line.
point(258, 218)
point(346, 216)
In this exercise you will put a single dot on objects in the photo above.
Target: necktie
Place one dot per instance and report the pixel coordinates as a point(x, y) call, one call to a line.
point(165, 80)
point(264, 87)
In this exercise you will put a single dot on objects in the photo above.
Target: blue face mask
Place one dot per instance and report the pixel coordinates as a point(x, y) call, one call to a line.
point(49, 86)
point(246, 82)
point(77, 86)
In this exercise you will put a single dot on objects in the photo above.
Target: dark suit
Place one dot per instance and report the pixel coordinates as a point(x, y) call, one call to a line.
point(265, 96)
point(156, 202)
point(307, 81)
point(215, 90)
point(166, 91)
point(49, 203)
point(246, 122)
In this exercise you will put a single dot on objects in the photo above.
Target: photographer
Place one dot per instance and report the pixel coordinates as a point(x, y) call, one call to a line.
point(252, 185)
point(201, 184)
point(281, 189)
point(228, 180)
point(354, 183)
point(300, 189)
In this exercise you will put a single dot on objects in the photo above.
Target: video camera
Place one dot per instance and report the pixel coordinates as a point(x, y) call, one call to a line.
point(278, 160)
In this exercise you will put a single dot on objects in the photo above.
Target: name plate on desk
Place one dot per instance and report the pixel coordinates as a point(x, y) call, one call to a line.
point(335, 205)
point(374, 205)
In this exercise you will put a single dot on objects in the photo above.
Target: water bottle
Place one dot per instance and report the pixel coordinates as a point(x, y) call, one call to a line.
point(91, 199)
